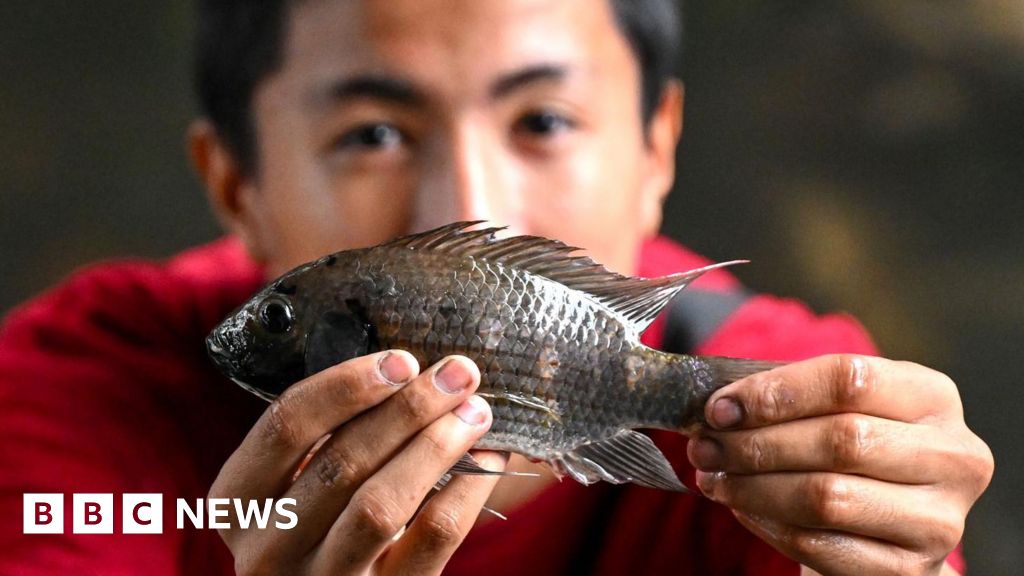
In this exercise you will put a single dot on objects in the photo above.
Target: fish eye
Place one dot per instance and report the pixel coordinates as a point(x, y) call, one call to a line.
point(275, 315)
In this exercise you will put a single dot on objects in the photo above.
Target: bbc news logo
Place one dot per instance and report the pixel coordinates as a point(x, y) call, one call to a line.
point(143, 513)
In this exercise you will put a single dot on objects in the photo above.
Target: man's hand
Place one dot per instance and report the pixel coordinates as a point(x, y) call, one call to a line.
point(393, 432)
point(848, 464)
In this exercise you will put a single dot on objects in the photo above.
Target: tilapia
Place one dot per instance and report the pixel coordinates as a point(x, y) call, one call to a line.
point(556, 337)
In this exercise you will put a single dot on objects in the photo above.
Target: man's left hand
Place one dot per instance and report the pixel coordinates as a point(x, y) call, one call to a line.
point(847, 464)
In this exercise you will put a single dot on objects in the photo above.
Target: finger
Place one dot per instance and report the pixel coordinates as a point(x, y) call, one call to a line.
point(909, 516)
point(831, 552)
point(364, 445)
point(385, 503)
point(832, 385)
point(847, 443)
point(444, 521)
point(262, 465)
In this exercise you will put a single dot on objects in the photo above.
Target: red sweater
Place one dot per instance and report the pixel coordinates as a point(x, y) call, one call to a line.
point(105, 387)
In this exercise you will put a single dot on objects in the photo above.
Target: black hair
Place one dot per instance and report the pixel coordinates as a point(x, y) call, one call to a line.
point(654, 32)
point(239, 43)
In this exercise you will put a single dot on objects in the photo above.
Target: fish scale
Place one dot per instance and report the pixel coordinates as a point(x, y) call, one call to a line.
point(556, 338)
point(544, 309)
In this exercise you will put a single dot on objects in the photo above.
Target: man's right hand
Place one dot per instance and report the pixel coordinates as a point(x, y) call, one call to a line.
point(393, 432)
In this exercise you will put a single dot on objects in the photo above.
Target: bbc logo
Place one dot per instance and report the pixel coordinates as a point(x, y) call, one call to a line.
point(143, 513)
point(93, 514)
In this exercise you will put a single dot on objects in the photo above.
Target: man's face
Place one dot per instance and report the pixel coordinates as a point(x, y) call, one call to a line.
point(393, 116)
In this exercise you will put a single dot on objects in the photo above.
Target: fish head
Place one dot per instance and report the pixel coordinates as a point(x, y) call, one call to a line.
point(261, 345)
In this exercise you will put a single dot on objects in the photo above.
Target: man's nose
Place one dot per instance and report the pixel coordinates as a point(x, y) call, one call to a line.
point(468, 178)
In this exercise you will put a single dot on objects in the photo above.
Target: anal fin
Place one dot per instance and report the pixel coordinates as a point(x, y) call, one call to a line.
point(628, 456)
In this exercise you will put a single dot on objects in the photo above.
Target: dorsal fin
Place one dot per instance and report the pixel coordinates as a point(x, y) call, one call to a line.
point(639, 300)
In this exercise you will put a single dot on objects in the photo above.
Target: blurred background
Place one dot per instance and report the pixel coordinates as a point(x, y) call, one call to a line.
point(867, 155)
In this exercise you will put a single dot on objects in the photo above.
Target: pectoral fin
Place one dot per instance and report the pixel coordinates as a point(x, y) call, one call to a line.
point(531, 402)
point(335, 338)
point(444, 480)
point(468, 465)
point(628, 456)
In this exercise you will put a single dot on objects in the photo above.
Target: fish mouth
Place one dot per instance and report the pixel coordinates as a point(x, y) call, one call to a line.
point(220, 349)
point(236, 358)
point(218, 346)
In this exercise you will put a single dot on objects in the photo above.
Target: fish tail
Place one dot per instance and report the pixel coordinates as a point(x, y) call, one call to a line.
point(670, 391)
point(676, 387)
point(722, 371)
point(728, 370)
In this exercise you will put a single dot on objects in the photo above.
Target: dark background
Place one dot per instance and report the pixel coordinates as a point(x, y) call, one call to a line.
point(867, 155)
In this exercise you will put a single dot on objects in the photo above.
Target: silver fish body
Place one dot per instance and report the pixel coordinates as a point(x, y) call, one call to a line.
point(556, 339)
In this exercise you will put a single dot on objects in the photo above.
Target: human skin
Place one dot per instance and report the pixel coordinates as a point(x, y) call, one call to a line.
point(387, 117)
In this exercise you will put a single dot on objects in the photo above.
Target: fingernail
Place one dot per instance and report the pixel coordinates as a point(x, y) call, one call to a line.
point(726, 413)
point(707, 454)
point(708, 481)
point(452, 377)
point(473, 411)
point(395, 369)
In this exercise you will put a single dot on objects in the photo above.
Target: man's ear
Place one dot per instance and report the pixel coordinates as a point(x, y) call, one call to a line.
point(230, 191)
point(662, 136)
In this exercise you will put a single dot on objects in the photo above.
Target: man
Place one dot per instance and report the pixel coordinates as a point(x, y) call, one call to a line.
point(333, 124)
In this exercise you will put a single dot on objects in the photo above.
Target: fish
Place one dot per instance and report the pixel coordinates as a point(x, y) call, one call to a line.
point(556, 337)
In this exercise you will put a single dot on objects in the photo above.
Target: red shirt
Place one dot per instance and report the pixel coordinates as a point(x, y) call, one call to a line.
point(105, 388)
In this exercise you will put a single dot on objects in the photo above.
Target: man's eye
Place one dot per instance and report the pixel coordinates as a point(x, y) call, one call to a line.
point(544, 123)
point(372, 136)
